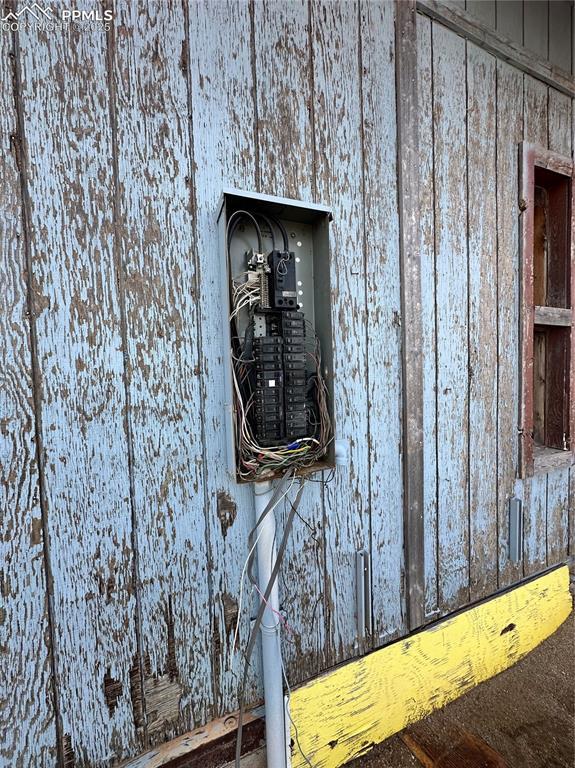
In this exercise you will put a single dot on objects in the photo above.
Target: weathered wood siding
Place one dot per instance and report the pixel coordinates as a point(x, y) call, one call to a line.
point(27, 719)
point(475, 111)
point(154, 209)
point(122, 536)
point(128, 137)
point(542, 26)
point(67, 140)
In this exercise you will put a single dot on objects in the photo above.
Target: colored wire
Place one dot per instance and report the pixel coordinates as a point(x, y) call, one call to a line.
point(250, 553)
point(280, 616)
point(257, 461)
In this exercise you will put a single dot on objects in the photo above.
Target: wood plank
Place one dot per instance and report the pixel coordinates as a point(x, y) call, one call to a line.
point(210, 744)
point(492, 42)
point(161, 289)
point(551, 161)
point(560, 229)
point(345, 712)
point(535, 131)
point(550, 459)
point(560, 140)
point(484, 10)
point(531, 729)
point(335, 31)
point(482, 222)
point(553, 316)
point(427, 246)
point(510, 19)
point(532, 237)
point(558, 245)
point(571, 512)
point(534, 516)
point(77, 314)
point(223, 130)
point(536, 27)
point(384, 312)
point(557, 388)
point(535, 128)
point(557, 516)
point(408, 181)
point(509, 134)
point(559, 122)
point(28, 724)
point(286, 167)
point(561, 34)
point(452, 320)
point(541, 128)
point(571, 507)
point(540, 261)
point(449, 747)
point(285, 131)
point(572, 287)
point(539, 378)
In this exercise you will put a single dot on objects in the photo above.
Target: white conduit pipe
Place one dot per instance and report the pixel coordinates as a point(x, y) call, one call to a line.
point(276, 743)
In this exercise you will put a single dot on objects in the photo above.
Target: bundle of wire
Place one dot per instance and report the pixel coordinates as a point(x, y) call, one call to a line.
point(258, 461)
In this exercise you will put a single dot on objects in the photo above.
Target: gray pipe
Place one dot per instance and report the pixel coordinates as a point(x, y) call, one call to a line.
point(276, 742)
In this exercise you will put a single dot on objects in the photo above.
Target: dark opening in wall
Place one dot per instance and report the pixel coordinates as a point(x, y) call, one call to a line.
point(551, 252)
point(547, 310)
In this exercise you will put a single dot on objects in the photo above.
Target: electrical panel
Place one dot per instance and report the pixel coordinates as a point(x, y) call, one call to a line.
point(277, 332)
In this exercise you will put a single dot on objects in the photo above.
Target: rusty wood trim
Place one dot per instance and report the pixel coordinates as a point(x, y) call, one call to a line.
point(571, 518)
point(20, 147)
point(449, 745)
point(546, 158)
point(211, 745)
point(408, 202)
point(532, 156)
point(526, 206)
point(571, 230)
point(494, 42)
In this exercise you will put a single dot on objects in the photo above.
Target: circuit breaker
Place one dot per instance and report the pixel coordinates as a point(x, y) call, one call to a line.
point(277, 333)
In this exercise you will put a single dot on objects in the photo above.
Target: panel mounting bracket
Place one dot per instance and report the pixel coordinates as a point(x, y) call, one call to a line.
point(363, 594)
point(515, 530)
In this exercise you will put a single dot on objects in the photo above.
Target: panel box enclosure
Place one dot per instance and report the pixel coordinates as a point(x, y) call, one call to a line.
point(305, 290)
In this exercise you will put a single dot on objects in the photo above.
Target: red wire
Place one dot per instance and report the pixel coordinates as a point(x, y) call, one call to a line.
point(278, 614)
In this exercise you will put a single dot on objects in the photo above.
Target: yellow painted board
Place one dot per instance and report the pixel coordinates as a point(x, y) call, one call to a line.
point(346, 711)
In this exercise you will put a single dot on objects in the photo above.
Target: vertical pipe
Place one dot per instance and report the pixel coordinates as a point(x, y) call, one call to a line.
point(276, 745)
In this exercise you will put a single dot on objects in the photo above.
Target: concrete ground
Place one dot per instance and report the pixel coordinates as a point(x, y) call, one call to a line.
point(526, 715)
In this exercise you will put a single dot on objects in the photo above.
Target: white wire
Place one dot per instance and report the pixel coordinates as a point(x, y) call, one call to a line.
point(303, 754)
point(242, 577)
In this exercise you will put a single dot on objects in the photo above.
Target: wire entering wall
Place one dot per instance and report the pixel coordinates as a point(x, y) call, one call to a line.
point(276, 497)
point(249, 560)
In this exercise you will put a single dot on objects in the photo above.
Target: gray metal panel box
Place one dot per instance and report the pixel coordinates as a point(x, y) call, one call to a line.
point(307, 225)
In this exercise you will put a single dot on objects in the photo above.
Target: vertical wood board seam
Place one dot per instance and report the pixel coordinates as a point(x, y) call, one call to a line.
point(410, 275)
point(119, 268)
point(369, 543)
point(21, 147)
point(197, 281)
